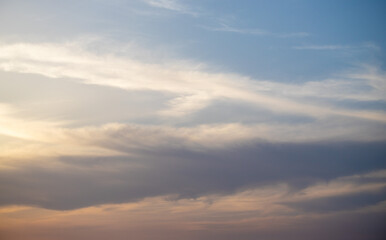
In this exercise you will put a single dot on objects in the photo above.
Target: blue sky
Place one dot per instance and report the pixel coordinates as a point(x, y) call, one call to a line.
point(291, 40)
point(192, 119)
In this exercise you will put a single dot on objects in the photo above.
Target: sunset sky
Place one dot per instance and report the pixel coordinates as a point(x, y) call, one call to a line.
point(192, 119)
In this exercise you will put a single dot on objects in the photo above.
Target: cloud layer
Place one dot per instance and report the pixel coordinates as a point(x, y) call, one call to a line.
point(187, 145)
point(110, 138)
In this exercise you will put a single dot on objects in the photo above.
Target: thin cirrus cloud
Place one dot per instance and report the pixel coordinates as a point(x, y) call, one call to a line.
point(194, 89)
point(257, 32)
point(172, 5)
point(322, 47)
point(368, 45)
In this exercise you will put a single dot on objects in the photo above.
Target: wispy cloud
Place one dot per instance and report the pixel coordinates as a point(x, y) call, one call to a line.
point(323, 47)
point(226, 28)
point(172, 5)
point(371, 46)
point(255, 31)
point(188, 85)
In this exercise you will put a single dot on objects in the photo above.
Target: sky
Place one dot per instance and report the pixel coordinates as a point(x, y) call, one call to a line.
point(194, 120)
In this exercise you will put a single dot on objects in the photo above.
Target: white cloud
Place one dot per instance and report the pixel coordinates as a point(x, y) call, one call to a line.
point(370, 46)
point(168, 4)
point(193, 88)
point(322, 47)
point(172, 5)
point(255, 31)
point(184, 105)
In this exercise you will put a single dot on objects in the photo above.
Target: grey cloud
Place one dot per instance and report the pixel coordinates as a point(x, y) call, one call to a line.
point(339, 203)
point(223, 111)
point(86, 181)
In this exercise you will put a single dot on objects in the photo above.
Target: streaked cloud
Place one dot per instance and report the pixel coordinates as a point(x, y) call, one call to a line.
point(322, 47)
point(206, 216)
point(338, 47)
point(254, 31)
point(172, 5)
point(186, 83)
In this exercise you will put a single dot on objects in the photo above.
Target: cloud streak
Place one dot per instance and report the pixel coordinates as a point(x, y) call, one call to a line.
point(256, 32)
point(323, 47)
point(338, 47)
point(189, 85)
point(172, 5)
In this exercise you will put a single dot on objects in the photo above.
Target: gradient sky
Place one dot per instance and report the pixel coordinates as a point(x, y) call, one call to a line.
point(194, 120)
